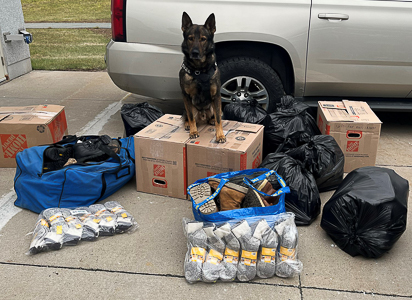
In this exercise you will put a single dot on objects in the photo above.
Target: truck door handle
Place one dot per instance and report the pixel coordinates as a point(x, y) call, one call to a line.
point(333, 16)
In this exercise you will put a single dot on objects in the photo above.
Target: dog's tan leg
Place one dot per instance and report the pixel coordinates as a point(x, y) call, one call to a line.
point(217, 110)
point(190, 122)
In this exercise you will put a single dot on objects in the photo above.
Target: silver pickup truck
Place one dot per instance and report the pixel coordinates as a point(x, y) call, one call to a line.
point(313, 50)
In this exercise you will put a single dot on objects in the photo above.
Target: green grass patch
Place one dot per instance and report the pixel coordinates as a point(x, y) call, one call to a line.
point(66, 10)
point(69, 49)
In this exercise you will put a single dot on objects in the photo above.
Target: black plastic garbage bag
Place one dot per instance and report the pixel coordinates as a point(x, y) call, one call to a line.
point(367, 213)
point(137, 116)
point(246, 112)
point(303, 199)
point(322, 157)
point(291, 126)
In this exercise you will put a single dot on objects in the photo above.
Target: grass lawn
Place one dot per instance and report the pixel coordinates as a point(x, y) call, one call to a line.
point(69, 49)
point(66, 10)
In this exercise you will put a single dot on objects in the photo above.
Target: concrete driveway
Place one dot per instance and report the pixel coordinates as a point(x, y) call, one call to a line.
point(148, 264)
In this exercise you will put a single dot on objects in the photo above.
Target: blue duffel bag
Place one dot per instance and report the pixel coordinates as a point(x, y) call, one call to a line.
point(74, 185)
point(240, 213)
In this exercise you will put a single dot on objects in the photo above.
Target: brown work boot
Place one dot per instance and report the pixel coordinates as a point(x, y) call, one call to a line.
point(267, 188)
point(199, 193)
point(231, 194)
point(255, 199)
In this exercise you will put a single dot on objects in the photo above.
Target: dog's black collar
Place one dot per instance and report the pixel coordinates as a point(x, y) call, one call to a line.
point(202, 76)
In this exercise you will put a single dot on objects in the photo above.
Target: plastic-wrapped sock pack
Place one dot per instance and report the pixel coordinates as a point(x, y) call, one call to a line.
point(250, 246)
point(107, 223)
point(59, 227)
point(287, 264)
point(124, 220)
point(242, 249)
point(266, 263)
point(212, 266)
point(231, 254)
point(196, 253)
point(75, 228)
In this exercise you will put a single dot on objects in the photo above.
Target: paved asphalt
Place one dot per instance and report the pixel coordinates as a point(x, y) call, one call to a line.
point(148, 264)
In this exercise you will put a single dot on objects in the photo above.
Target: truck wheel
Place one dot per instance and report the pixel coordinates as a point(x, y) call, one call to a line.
point(246, 78)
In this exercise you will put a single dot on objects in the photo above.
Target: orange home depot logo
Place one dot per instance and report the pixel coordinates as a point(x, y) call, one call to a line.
point(210, 174)
point(352, 146)
point(159, 170)
point(256, 162)
point(320, 123)
point(58, 127)
point(13, 143)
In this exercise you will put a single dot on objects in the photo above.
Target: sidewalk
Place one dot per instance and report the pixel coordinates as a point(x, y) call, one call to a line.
point(148, 264)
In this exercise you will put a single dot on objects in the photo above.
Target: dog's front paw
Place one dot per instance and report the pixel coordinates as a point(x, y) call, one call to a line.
point(194, 135)
point(220, 138)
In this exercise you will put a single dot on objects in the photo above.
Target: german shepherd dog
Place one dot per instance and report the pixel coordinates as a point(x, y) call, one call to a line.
point(200, 77)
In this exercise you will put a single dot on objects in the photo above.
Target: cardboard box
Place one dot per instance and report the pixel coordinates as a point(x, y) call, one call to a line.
point(242, 150)
point(28, 126)
point(160, 150)
point(356, 129)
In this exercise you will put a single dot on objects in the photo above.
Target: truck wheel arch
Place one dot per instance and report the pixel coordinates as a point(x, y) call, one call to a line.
point(273, 55)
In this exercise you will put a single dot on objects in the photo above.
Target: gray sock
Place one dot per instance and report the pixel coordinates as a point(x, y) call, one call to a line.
point(75, 228)
point(196, 244)
point(107, 223)
point(89, 222)
point(124, 220)
point(41, 230)
point(287, 264)
point(231, 254)
point(213, 263)
point(58, 228)
point(250, 246)
point(266, 264)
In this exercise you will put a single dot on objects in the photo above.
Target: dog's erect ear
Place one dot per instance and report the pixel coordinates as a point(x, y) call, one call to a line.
point(210, 23)
point(186, 21)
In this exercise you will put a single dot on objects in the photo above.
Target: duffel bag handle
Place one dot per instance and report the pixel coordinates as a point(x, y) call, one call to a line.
point(213, 196)
point(283, 190)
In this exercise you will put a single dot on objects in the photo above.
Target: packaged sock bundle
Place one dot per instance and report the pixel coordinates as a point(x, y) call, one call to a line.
point(196, 253)
point(89, 221)
point(75, 228)
point(287, 264)
point(107, 224)
point(250, 246)
point(266, 263)
point(58, 228)
point(231, 254)
point(124, 220)
point(214, 256)
point(41, 229)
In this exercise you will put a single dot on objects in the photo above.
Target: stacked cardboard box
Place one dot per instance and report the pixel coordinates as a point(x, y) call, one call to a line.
point(167, 161)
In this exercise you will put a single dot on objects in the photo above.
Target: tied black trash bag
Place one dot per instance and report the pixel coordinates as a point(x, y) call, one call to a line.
point(137, 116)
point(303, 199)
point(291, 126)
point(246, 112)
point(322, 157)
point(367, 213)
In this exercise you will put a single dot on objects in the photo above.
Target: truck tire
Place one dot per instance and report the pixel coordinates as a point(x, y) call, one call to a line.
point(246, 78)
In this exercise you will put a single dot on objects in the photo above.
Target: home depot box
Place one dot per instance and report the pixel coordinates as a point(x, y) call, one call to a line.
point(242, 150)
point(356, 129)
point(160, 151)
point(27, 126)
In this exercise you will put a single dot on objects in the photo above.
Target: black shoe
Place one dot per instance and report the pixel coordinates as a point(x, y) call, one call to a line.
point(56, 157)
point(91, 149)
